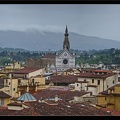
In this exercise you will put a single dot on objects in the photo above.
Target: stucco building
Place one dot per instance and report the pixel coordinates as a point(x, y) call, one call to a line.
point(25, 79)
point(110, 98)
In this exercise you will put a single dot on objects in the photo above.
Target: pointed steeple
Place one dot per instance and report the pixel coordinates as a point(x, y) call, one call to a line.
point(66, 44)
point(66, 31)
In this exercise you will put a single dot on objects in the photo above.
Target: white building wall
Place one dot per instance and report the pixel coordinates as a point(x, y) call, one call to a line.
point(35, 73)
point(109, 81)
point(15, 108)
point(59, 61)
point(93, 90)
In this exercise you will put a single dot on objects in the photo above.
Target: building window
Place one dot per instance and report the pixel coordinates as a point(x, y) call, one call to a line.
point(113, 82)
point(92, 80)
point(32, 80)
point(77, 84)
point(87, 87)
point(2, 101)
point(107, 86)
point(6, 81)
point(105, 98)
point(25, 76)
point(98, 82)
point(13, 89)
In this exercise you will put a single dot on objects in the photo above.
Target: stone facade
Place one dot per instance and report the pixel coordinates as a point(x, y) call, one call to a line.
point(65, 59)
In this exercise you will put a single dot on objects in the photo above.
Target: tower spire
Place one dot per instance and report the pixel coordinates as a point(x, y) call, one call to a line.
point(66, 44)
point(66, 30)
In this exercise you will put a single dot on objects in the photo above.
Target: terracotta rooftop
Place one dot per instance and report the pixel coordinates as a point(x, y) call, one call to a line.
point(104, 71)
point(24, 112)
point(113, 112)
point(51, 108)
point(92, 75)
point(63, 79)
point(26, 70)
point(4, 95)
point(64, 95)
point(63, 108)
point(67, 109)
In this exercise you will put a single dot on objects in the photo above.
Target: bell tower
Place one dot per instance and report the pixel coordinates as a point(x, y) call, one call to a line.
point(66, 44)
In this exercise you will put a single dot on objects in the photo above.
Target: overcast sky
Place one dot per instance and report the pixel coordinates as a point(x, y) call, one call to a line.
point(101, 20)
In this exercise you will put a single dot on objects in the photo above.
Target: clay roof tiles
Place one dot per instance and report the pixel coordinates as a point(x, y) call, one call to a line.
point(63, 79)
point(4, 95)
point(26, 70)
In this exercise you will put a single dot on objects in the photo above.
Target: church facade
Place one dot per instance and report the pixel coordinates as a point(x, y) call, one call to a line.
point(65, 59)
point(59, 61)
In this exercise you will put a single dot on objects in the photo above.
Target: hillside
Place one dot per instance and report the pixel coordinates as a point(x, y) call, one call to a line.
point(41, 41)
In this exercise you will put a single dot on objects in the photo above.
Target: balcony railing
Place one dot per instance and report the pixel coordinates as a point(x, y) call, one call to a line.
point(29, 84)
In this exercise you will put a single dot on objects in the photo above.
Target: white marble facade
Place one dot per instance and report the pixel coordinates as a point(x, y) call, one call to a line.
point(65, 60)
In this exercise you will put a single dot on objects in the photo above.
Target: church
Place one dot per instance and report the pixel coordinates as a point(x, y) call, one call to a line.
point(65, 60)
point(55, 62)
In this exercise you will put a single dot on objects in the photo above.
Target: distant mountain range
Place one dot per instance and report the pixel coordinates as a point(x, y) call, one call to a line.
point(34, 40)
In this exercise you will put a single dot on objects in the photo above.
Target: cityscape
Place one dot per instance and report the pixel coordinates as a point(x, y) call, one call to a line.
point(41, 78)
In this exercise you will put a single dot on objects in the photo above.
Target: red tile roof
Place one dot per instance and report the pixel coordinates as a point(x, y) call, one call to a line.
point(92, 75)
point(63, 79)
point(67, 109)
point(113, 112)
point(62, 109)
point(26, 70)
point(25, 112)
point(104, 71)
point(64, 95)
point(4, 95)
